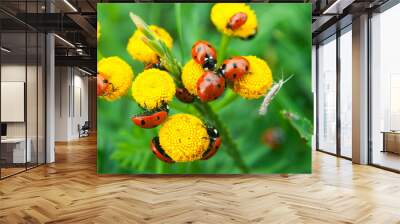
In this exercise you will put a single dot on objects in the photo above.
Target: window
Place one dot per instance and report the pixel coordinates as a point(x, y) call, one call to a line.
point(346, 75)
point(385, 89)
point(327, 96)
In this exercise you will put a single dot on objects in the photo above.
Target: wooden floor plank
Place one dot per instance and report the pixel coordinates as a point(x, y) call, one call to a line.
point(70, 191)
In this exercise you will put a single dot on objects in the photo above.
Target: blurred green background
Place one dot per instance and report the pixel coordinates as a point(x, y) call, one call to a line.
point(283, 40)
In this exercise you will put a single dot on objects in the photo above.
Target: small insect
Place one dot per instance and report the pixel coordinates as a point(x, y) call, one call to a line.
point(215, 143)
point(183, 95)
point(273, 137)
point(151, 119)
point(154, 65)
point(159, 151)
point(271, 94)
point(236, 21)
point(102, 85)
point(204, 54)
point(234, 68)
point(210, 86)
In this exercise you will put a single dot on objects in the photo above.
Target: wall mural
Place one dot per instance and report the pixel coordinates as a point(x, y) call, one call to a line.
point(200, 88)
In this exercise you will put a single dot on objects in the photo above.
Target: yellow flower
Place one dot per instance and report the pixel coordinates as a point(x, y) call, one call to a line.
point(191, 72)
point(118, 74)
point(257, 82)
point(98, 30)
point(222, 12)
point(184, 137)
point(152, 88)
point(140, 51)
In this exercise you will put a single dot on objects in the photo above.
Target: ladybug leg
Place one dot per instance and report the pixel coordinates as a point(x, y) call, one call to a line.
point(159, 152)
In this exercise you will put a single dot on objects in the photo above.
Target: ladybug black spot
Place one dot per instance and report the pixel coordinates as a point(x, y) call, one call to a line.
point(142, 122)
point(198, 49)
point(234, 75)
point(219, 86)
point(158, 118)
point(247, 68)
point(234, 65)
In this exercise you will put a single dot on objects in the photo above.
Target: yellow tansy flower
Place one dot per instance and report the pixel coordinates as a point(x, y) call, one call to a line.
point(184, 138)
point(140, 51)
point(118, 74)
point(98, 30)
point(152, 88)
point(257, 82)
point(222, 12)
point(191, 73)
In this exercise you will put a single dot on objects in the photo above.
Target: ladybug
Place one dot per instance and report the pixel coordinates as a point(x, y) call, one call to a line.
point(273, 137)
point(210, 86)
point(151, 119)
point(102, 85)
point(234, 68)
point(215, 143)
point(159, 152)
point(183, 95)
point(236, 21)
point(204, 54)
point(157, 65)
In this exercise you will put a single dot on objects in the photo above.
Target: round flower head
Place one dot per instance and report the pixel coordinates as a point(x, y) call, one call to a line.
point(152, 88)
point(118, 75)
point(221, 13)
point(184, 138)
point(139, 49)
point(256, 82)
point(98, 30)
point(191, 73)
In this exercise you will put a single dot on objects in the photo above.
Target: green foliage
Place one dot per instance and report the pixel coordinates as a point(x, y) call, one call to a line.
point(283, 40)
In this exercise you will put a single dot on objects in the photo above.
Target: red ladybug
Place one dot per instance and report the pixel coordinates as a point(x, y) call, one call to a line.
point(273, 137)
point(210, 86)
point(203, 53)
point(183, 95)
point(215, 143)
point(102, 85)
point(159, 152)
point(236, 21)
point(234, 68)
point(151, 119)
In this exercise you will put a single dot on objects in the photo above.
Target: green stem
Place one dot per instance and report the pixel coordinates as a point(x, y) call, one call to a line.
point(222, 48)
point(231, 146)
point(228, 99)
point(178, 19)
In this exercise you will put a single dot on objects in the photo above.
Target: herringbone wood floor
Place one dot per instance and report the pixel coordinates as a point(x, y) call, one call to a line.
point(70, 191)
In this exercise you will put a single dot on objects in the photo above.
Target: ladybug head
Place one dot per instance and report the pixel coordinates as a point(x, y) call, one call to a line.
point(212, 132)
point(209, 63)
point(164, 107)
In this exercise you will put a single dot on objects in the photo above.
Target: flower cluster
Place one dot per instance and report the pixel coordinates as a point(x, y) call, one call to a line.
point(184, 137)
point(223, 13)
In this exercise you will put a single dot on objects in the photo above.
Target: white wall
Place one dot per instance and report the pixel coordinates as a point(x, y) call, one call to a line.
point(71, 102)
